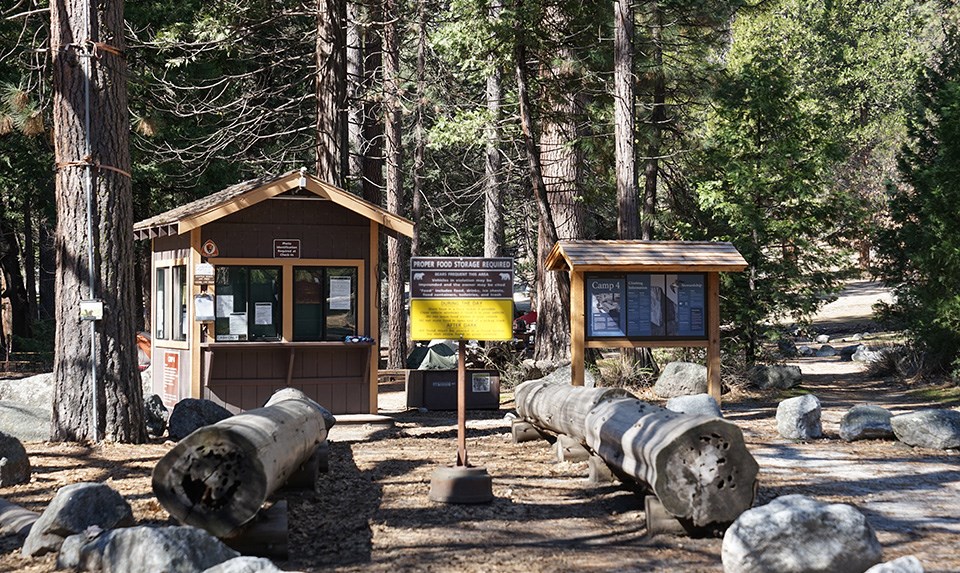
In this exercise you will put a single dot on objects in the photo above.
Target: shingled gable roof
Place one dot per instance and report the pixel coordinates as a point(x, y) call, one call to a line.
point(644, 256)
point(242, 195)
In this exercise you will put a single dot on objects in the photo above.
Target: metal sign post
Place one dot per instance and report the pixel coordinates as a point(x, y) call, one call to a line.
point(462, 299)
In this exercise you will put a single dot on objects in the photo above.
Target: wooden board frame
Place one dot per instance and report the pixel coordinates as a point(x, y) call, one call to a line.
point(559, 261)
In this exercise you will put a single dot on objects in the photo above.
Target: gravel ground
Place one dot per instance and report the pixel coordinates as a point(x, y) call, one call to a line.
point(371, 512)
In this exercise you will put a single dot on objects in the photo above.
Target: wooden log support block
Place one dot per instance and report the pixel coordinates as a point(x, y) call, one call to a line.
point(323, 457)
point(15, 520)
point(599, 471)
point(267, 535)
point(570, 450)
point(305, 477)
point(219, 477)
point(523, 431)
point(658, 520)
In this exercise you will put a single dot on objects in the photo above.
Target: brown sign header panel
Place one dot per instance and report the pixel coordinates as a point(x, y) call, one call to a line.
point(286, 248)
point(453, 278)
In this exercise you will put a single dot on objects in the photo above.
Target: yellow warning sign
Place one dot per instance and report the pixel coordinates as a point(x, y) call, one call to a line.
point(469, 319)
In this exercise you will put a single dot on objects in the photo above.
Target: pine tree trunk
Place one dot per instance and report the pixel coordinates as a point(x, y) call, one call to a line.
point(354, 95)
point(48, 270)
point(331, 92)
point(396, 262)
point(30, 260)
point(372, 154)
point(14, 289)
point(553, 332)
point(658, 116)
point(628, 220)
point(493, 229)
point(419, 134)
point(109, 345)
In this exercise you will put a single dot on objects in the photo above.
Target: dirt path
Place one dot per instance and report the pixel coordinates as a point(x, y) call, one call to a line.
point(371, 512)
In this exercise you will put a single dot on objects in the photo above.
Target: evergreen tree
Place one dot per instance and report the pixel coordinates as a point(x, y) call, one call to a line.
point(764, 187)
point(919, 250)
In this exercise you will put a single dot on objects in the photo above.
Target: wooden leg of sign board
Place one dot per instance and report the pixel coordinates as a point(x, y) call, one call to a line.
point(658, 520)
point(577, 330)
point(267, 535)
point(713, 335)
point(461, 483)
point(462, 405)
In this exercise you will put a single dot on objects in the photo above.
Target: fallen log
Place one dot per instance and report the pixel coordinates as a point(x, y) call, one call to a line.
point(697, 466)
point(559, 407)
point(219, 477)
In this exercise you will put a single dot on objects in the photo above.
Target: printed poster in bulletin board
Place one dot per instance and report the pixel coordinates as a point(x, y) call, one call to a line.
point(646, 306)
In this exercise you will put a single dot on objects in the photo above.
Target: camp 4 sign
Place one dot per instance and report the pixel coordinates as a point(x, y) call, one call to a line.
point(461, 298)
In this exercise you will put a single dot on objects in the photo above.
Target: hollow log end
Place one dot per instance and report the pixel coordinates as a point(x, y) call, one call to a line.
point(213, 483)
point(707, 476)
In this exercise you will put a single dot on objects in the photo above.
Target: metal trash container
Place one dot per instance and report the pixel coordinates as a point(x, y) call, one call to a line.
point(437, 389)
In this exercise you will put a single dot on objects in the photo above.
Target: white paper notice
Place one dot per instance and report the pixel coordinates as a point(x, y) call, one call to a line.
point(238, 323)
point(203, 307)
point(263, 313)
point(340, 288)
point(224, 304)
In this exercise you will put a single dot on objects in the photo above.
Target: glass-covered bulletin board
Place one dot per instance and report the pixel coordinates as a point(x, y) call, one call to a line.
point(646, 306)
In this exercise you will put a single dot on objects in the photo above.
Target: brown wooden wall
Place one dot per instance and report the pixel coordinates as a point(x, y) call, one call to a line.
point(334, 376)
point(325, 229)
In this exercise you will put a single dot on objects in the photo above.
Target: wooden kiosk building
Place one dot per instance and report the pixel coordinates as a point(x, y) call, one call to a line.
point(627, 294)
point(267, 284)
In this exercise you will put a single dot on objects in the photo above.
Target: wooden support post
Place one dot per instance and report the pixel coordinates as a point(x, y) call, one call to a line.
point(577, 329)
point(462, 404)
point(713, 335)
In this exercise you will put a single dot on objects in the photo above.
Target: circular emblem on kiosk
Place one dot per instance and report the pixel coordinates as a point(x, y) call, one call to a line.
point(209, 249)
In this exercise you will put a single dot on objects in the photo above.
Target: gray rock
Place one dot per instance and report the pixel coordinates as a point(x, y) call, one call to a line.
point(14, 463)
point(822, 339)
point(775, 376)
point(698, 405)
point(865, 422)
point(907, 564)
point(846, 353)
point(25, 407)
point(799, 418)
point(806, 351)
point(564, 374)
point(191, 413)
point(148, 550)
point(245, 564)
point(826, 351)
point(36, 391)
point(866, 355)
point(681, 379)
point(74, 509)
point(937, 429)
point(797, 534)
point(787, 348)
point(156, 415)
